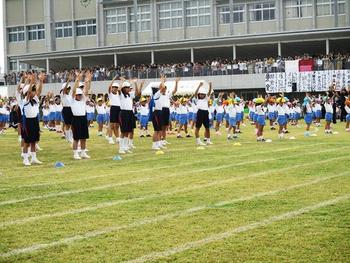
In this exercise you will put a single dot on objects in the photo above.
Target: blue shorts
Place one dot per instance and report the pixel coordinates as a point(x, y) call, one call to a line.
point(255, 117)
point(296, 116)
point(227, 117)
point(190, 116)
point(183, 119)
point(90, 116)
point(194, 118)
point(219, 117)
point(282, 120)
point(272, 116)
point(329, 116)
point(261, 120)
point(239, 116)
point(308, 118)
point(251, 115)
point(2, 118)
point(101, 118)
point(46, 118)
point(52, 116)
point(144, 121)
point(348, 117)
point(173, 116)
point(318, 114)
point(58, 116)
point(232, 121)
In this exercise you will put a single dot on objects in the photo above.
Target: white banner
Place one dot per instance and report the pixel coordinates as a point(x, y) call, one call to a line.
point(317, 81)
point(292, 66)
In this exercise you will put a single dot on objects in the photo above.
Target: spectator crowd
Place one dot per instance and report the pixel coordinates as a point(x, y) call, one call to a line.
point(218, 66)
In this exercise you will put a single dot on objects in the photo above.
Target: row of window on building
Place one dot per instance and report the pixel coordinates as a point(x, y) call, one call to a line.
point(197, 13)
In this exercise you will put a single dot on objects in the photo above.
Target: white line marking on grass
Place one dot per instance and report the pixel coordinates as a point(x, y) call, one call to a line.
point(148, 169)
point(106, 186)
point(157, 219)
point(133, 161)
point(152, 196)
point(219, 237)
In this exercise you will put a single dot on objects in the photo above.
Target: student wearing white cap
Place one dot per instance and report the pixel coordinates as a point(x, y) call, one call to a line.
point(66, 110)
point(127, 118)
point(79, 120)
point(30, 122)
point(202, 101)
point(114, 100)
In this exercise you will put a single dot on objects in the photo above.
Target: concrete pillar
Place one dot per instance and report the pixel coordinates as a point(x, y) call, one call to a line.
point(231, 17)
point(4, 36)
point(18, 65)
point(49, 29)
point(192, 55)
point(80, 62)
point(336, 11)
point(115, 59)
point(73, 25)
point(154, 21)
point(327, 46)
point(246, 8)
point(152, 57)
point(314, 14)
point(47, 66)
point(213, 18)
point(279, 47)
point(136, 34)
point(100, 25)
point(184, 18)
point(234, 52)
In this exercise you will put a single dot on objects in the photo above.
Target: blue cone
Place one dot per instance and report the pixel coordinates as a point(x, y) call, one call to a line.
point(117, 158)
point(59, 164)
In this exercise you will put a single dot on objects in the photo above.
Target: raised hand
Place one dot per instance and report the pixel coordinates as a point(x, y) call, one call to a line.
point(42, 77)
point(88, 76)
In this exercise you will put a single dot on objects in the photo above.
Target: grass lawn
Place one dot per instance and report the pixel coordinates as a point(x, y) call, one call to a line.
point(284, 201)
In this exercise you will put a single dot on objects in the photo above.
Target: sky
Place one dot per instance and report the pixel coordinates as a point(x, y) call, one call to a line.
point(1, 40)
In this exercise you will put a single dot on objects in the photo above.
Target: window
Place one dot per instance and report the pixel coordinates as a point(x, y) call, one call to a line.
point(13, 65)
point(36, 32)
point(170, 15)
point(262, 11)
point(197, 13)
point(238, 14)
point(16, 34)
point(116, 20)
point(85, 27)
point(64, 29)
point(326, 7)
point(143, 18)
point(298, 8)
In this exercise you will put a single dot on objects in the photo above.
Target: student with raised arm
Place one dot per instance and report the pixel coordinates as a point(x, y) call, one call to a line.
point(165, 97)
point(79, 120)
point(202, 100)
point(30, 121)
point(126, 120)
point(67, 111)
point(114, 101)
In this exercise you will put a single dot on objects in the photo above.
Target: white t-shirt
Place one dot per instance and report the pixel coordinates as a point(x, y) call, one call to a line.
point(297, 109)
point(157, 101)
point(202, 104)
point(144, 110)
point(126, 100)
point(67, 100)
point(45, 112)
point(114, 99)
point(58, 107)
point(79, 107)
point(31, 111)
point(328, 107)
point(271, 108)
point(219, 109)
point(260, 110)
point(101, 109)
point(182, 109)
point(90, 109)
point(165, 99)
point(347, 109)
point(232, 111)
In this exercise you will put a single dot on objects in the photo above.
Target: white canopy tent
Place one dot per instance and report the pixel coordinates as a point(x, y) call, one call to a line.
point(186, 87)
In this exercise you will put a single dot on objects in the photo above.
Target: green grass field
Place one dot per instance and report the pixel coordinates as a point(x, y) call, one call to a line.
point(285, 201)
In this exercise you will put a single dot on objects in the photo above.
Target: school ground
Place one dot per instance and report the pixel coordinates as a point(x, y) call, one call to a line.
point(284, 201)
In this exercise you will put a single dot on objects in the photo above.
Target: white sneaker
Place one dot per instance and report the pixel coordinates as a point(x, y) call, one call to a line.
point(26, 162)
point(128, 151)
point(155, 148)
point(132, 146)
point(111, 141)
point(122, 152)
point(209, 143)
point(162, 146)
point(84, 155)
point(166, 142)
point(36, 161)
point(200, 143)
point(76, 157)
point(99, 134)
